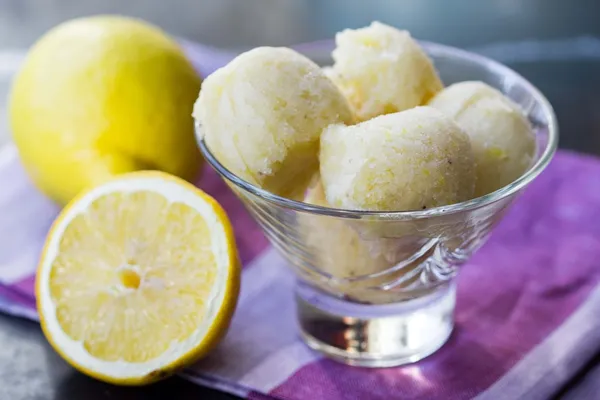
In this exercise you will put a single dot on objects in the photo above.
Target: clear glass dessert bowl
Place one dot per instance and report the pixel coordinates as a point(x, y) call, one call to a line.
point(377, 289)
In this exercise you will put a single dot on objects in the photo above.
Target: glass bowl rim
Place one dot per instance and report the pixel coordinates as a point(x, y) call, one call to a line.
point(435, 49)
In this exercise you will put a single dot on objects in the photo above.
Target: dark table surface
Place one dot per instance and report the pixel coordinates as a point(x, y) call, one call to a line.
point(555, 44)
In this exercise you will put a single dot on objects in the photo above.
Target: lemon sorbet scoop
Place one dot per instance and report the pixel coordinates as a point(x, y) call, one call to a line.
point(502, 139)
point(382, 70)
point(262, 116)
point(411, 160)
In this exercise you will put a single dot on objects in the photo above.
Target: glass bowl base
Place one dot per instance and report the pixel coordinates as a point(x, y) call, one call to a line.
point(375, 336)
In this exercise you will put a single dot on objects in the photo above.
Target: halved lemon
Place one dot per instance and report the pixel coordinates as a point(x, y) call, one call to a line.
point(139, 277)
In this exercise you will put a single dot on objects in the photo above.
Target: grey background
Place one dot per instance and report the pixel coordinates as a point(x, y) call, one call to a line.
point(555, 44)
point(239, 23)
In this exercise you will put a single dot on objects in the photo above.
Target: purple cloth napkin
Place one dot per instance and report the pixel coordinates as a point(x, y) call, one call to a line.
point(527, 308)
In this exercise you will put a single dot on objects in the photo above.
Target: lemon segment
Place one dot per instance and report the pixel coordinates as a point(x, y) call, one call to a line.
point(138, 278)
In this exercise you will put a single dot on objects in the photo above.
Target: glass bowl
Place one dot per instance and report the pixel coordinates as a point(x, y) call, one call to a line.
point(377, 289)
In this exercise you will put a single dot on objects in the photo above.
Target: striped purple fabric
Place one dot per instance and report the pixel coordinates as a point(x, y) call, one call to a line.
point(527, 311)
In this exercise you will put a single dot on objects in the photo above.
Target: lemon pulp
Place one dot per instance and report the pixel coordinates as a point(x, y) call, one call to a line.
point(139, 278)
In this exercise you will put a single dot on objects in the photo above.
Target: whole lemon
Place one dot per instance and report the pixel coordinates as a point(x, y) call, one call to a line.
point(100, 96)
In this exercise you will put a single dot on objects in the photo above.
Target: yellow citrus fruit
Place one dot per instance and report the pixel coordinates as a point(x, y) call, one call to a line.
point(139, 277)
point(100, 96)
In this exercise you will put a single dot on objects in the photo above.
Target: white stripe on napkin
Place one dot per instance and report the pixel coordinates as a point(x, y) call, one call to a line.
point(8, 154)
point(278, 367)
point(24, 226)
point(269, 349)
point(20, 265)
point(556, 359)
point(18, 310)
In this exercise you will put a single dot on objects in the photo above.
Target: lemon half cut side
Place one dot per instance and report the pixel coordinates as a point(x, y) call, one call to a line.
point(139, 277)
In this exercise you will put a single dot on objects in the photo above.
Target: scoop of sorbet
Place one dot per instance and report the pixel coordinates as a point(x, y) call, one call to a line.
point(262, 116)
point(382, 70)
point(501, 136)
point(411, 160)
